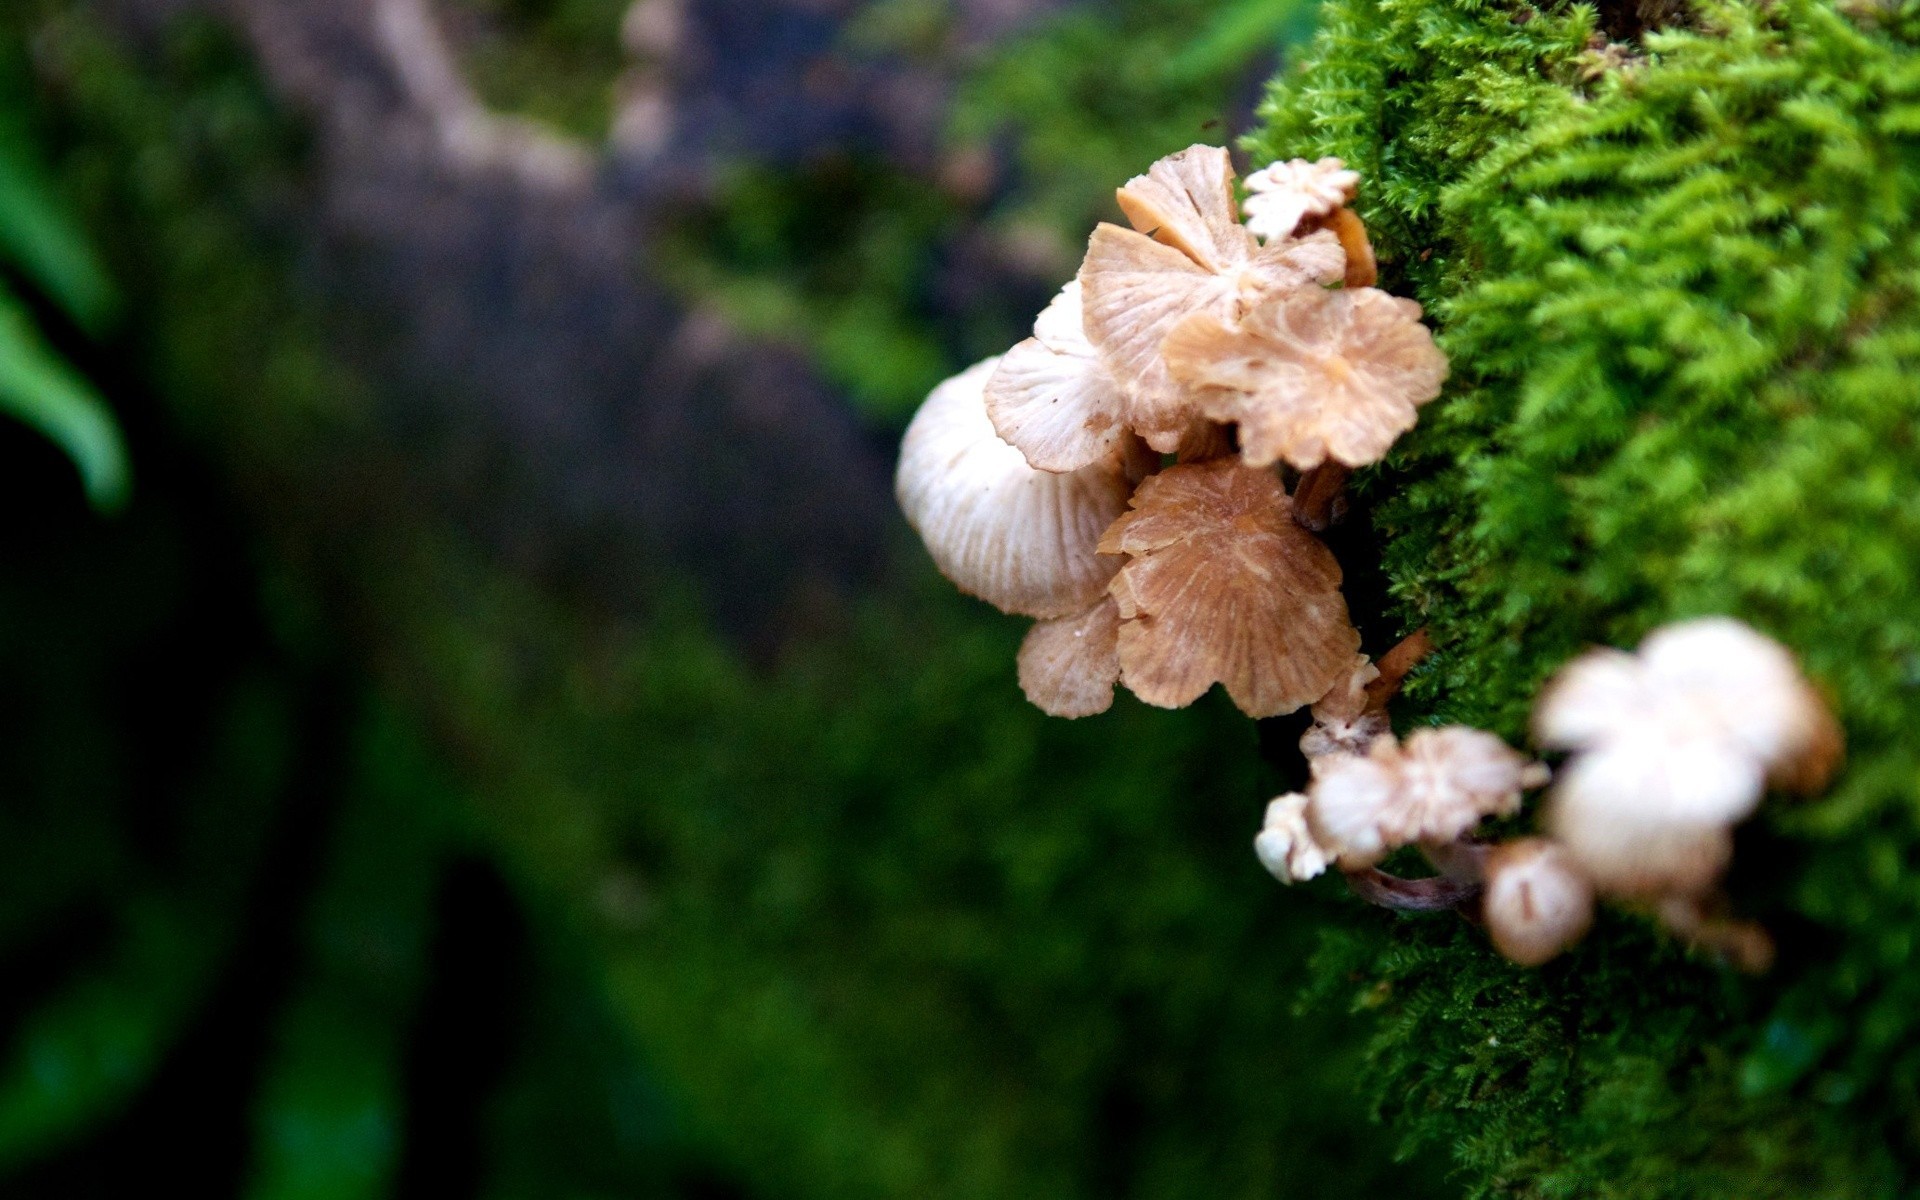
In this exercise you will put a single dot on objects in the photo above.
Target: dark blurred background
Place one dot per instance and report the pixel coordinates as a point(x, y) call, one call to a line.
point(472, 722)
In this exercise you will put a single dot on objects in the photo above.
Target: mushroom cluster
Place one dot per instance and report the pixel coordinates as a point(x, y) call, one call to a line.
point(1119, 476)
point(1671, 747)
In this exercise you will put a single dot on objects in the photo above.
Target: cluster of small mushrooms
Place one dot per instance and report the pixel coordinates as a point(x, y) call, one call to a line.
point(1122, 477)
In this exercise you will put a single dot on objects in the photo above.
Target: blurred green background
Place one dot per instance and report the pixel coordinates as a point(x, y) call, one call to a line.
point(473, 724)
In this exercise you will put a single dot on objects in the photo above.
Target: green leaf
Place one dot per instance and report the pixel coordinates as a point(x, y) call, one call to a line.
point(41, 390)
point(39, 240)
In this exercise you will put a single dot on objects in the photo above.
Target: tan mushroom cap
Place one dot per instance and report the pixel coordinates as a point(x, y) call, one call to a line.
point(1021, 539)
point(1537, 901)
point(1283, 194)
point(1345, 721)
point(1053, 397)
point(1221, 586)
point(1137, 290)
point(1310, 374)
point(1186, 201)
point(1068, 665)
point(1435, 787)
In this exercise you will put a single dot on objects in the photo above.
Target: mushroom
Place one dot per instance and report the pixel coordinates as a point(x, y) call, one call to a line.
point(1023, 540)
point(1068, 665)
point(1052, 396)
point(1674, 744)
point(1434, 788)
point(1283, 194)
point(1346, 720)
point(1285, 846)
point(1220, 585)
point(1187, 254)
point(1311, 375)
point(1536, 902)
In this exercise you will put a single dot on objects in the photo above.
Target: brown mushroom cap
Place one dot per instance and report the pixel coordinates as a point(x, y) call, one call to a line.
point(1052, 397)
point(1186, 201)
point(1068, 665)
point(1311, 374)
point(1136, 290)
point(1221, 586)
point(1021, 539)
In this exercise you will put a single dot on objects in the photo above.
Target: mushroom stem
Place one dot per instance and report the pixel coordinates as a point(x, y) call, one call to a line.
point(1394, 667)
point(1464, 861)
point(1745, 945)
point(1362, 269)
point(1316, 496)
point(1434, 894)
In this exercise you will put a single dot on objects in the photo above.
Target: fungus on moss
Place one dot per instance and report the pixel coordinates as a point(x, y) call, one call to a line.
point(1536, 901)
point(1433, 788)
point(1221, 586)
point(1188, 254)
point(1311, 375)
point(1283, 194)
point(1022, 539)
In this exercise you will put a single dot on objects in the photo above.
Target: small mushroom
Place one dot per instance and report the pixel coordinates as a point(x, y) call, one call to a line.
point(1284, 194)
point(1021, 539)
point(1286, 846)
point(1346, 720)
point(1536, 901)
point(1311, 375)
point(1221, 586)
point(1068, 665)
point(1052, 397)
point(1640, 827)
point(1434, 788)
point(1697, 696)
point(1187, 255)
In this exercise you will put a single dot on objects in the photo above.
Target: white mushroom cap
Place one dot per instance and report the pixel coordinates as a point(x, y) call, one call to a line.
point(1345, 720)
point(1614, 811)
point(1052, 397)
point(1536, 902)
point(1286, 846)
point(1021, 539)
point(1284, 194)
point(1694, 689)
point(1068, 665)
point(1435, 787)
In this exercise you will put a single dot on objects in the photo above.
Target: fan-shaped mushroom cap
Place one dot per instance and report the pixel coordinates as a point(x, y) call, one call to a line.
point(1437, 786)
point(1285, 845)
point(1068, 665)
point(1692, 689)
point(1021, 539)
point(1627, 847)
point(1222, 586)
point(1186, 201)
point(1283, 194)
point(1537, 902)
point(1311, 374)
point(1053, 397)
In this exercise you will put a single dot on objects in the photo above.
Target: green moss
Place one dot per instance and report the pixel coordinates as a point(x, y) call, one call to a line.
point(1679, 297)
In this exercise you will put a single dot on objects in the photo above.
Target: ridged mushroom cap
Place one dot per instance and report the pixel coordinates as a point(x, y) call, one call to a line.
point(1021, 539)
point(1053, 397)
point(1222, 586)
point(1283, 194)
point(1068, 665)
point(1285, 845)
point(1310, 374)
point(1186, 201)
point(1537, 902)
point(1435, 787)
